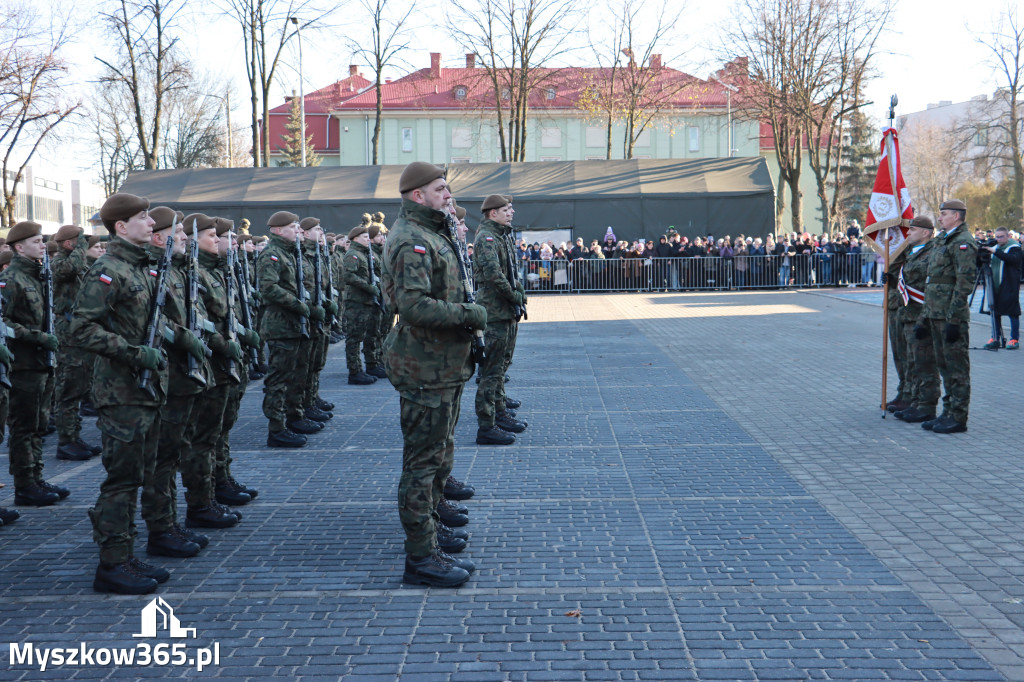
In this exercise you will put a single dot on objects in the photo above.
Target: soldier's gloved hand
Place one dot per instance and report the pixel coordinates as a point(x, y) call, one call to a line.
point(6, 356)
point(257, 296)
point(476, 316)
point(144, 357)
point(49, 342)
point(885, 278)
point(376, 291)
point(331, 306)
point(517, 298)
point(301, 308)
point(251, 338)
point(317, 314)
point(190, 343)
point(233, 350)
point(920, 331)
point(951, 332)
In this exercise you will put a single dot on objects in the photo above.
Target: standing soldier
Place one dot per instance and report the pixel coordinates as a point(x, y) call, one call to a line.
point(362, 298)
point(111, 315)
point(492, 265)
point(897, 343)
point(74, 367)
point(385, 318)
point(320, 333)
point(428, 360)
point(285, 321)
point(31, 376)
point(952, 270)
point(922, 378)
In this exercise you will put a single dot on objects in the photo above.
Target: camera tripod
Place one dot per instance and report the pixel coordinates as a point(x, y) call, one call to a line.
point(988, 295)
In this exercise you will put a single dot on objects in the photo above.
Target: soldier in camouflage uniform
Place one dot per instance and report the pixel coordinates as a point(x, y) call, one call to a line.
point(6, 515)
point(952, 271)
point(428, 360)
point(341, 245)
point(74, 367)
point(922, 377)
point(362, 314)
point(320, 332)
point(285, 322)
point(897, 344)
point(33, 367)
point(385, 318)
point(110, 319)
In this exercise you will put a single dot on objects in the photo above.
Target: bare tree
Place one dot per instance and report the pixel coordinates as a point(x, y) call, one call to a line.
point(33, 79)
point(117, 147)
point(388, 39)
point(196, 135)
point(930, 164)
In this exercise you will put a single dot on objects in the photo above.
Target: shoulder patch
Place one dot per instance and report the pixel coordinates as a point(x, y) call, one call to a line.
point(153, 272)
point(963, 247)
point(489, 239)
point(273, 258)
point(419, 249)
point(106, 279)
point(3, 285)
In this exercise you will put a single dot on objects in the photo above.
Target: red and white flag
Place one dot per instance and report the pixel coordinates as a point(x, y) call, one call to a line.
point(890, 210)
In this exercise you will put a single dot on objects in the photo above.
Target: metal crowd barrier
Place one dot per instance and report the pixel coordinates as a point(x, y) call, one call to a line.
point(700, 274)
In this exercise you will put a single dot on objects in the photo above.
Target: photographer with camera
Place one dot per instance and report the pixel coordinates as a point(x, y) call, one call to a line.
point(1006, 272)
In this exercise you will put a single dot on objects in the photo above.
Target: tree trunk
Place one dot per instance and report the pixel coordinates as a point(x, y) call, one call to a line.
point(377, 117)
point(780, 200)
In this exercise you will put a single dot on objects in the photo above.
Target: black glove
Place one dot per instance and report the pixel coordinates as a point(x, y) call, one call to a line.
point(951, 332)
point(920, 331)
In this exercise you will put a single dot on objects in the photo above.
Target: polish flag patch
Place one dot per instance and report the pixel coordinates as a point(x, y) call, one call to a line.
point(273, 258)
point(106, 279)
point(963, 247)
point(419, 249)
point(153, 272)
point(490, 239)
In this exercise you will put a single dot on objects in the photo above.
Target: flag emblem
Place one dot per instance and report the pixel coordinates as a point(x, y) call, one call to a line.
point(106, 279)
point(273, 258)
point(963, 247)
point(419, 249)
point(153, 272)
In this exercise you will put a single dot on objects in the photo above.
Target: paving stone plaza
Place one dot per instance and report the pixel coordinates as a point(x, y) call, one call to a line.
point(706, 491)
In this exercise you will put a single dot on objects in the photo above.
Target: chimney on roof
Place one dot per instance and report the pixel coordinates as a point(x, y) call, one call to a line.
point(655, 61)
point(353, 70)
point(435, 64)
point(470, 60)
point(387, 80)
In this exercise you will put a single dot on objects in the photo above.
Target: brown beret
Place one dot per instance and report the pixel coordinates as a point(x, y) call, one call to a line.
point(357, 230)
point(201, 221)
point(223, 226)
point(94, 240)
point(52, 247)
point(418, 174)
point(179, 216)
point(494, 201)
point(375, 229)
point(259, 238)
point(309, 223)
point(121, 206)
point(282, 219)
point(923, 221)
point(67, 232)
point(378, 216)
point(953, 205)
point(23, 230)
point(2, 241)
point(163, 217)
point(243, 238)
point(6, 257)
point(460, 213)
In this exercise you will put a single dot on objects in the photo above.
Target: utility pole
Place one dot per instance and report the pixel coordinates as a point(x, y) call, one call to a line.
point(302, 97)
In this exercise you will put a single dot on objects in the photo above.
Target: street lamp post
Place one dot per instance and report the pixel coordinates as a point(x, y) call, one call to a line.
point(729, 89)
point(302, 97)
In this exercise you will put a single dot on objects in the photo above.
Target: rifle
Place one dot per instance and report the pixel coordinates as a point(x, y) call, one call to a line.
point(191, 306)
point(156, 307)
point(300, 286)
point(231, 334)
point(241, 271)
point(513, 273)
point(479, 346)
point(377, 300)
point(318, 289)
point(46, 275)
point(5, 332)
point(331, 292)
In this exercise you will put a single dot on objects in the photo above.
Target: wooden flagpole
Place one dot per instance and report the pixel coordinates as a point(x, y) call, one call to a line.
point(889, 149)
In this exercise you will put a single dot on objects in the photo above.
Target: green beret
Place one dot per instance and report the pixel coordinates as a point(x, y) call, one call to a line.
point(309, 223)
point(67, 232)
point(418, 174)
point(163, 217)
point(121, 206)
point(357, 230)
point(953, 205)
point(282, 219)
point(494, 201)
point(922, 221)
point(201, 221)
point(23, 230)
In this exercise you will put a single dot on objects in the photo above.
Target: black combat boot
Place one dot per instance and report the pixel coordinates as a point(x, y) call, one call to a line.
point(433, 571)
point(512, 404)
point(456, 507)
point(377, 371)
point(227, 510)
point(169, 543)
point(285, 439)
point(94, 449)
point(927, 426)
point(494, 436)
point(506, 422)
point(192, 536)
point(455, 489)
point(73, 452)
point(122, 579)
point(949, 425)
point(161, 575)
point(361, 379)
point(449, 516)
point(316, 414)
point(8, 516)
point(86, 409)
point(307, 426)
point(251, 492)
point(325, 405)
point(209, 516)
point(461, 562)
point(226, 494)
point(34, 495)
point(915, 415)
point(447, 541)
point(457, 532)
point(61, 491)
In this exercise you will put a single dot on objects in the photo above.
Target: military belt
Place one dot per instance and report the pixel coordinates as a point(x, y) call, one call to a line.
point(941, 280)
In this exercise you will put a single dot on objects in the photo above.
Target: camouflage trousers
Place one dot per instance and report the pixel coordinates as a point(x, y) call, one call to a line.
point(511, 349)
point(222, 450)
point(160, 489)
point(317, 362)
point(898, 344)
point(28, 415)
point(73, 383)
point(922, 376)
point(428, 420)
point(130, 436)
point(209, 419)
point(954, 364)
point(362, 322)
point(490, 395)
point(386, 320)
point(280, 406)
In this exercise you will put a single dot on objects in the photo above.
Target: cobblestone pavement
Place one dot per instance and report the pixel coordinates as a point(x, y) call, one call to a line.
point(706, 491)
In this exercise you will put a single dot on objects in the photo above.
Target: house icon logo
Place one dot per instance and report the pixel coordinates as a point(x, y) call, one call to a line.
point(159, 614)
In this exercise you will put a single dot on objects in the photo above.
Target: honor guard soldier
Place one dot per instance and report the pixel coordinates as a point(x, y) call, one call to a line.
point(363, 304)
point(428, 360)
point(922, 377)
point(952, 272)
point(284, 325)
point(111, 319)
point(320, 334)
point(897, 343)
point(34, 347)
point(385, 318)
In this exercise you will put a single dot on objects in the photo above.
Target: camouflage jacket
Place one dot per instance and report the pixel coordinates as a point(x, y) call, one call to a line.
point(213, 289)
point(358, 288)
point(23, 311)
point(952, 269)
point(68, 270)
point(174, 313)
point(111, 313)
point(894, 299)
point(276, 272)
point(491, 270)
point(914, 272)
point(429, 348)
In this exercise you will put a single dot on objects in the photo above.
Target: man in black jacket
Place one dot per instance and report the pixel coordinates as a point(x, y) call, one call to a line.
point(1006, 270)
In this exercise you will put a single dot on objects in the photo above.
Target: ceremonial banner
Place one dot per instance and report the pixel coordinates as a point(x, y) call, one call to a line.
point(890, 210)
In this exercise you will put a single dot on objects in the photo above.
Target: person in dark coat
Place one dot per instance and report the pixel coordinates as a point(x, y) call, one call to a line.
point(1006, 271)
